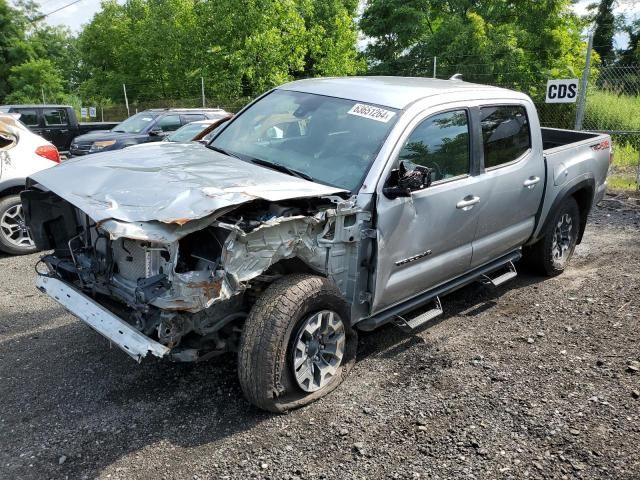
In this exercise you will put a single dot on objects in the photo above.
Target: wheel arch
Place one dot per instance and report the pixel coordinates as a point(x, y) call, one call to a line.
point(12, 186)
point(583, 193)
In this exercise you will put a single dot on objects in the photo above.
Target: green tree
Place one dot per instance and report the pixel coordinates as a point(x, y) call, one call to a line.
point(14, 48)
point(31, 80)
point(605, 29)
point(517, 42)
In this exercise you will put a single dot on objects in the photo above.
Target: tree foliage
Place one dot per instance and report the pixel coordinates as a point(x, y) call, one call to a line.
point(516, 42)
point(162, 48)
point(604, 30)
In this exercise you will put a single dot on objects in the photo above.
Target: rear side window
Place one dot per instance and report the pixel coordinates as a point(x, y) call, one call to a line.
point(169, 123)
point(192, 117)
point(28, 116)
point(505, 134)
point(440, 142)
point(54, 116)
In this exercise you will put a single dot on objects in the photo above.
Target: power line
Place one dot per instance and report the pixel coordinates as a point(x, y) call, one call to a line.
point(42, 17)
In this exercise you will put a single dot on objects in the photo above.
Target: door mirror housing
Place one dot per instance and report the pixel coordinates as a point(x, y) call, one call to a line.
point(405, 179)
point(156, 132)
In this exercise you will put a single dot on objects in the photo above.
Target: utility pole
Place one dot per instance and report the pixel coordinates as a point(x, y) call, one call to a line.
point(582, 97)
point(435, 66)
point(203, 99)
point(126, 100)
point(42, 90)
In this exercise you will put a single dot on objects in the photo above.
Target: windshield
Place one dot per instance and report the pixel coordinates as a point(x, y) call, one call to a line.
point(332, 140)
point(136, 124)
point(186, 133)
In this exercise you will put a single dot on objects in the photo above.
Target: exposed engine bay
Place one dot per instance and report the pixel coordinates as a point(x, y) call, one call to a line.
point(190, 286)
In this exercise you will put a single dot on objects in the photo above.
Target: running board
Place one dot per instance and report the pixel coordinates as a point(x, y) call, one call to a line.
point(500, 279)
point(412, 324)
point(389, 314)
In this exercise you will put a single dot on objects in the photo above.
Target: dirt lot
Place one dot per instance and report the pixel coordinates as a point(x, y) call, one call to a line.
point(535, 379)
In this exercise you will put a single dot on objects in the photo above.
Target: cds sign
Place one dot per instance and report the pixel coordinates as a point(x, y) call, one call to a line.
point(562, 91)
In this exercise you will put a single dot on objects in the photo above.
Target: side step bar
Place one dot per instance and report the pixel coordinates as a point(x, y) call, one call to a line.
point(505, 276)
point(410, 325)
point(391, 313)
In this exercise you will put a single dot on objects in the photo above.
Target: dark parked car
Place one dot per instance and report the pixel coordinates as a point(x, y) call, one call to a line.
point(56, 123)
point(148, 126)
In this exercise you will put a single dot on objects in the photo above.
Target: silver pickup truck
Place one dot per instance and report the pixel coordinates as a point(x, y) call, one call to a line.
point(324, 207)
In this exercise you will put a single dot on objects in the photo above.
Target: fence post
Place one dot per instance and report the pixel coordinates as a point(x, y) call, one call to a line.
point(435, 64)
point(126, 100)
point(203, 99)
point(582, 98)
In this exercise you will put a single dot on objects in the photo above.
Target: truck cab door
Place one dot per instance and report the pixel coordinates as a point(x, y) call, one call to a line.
point(56, 127)
point(425, 238)
point(514, 174)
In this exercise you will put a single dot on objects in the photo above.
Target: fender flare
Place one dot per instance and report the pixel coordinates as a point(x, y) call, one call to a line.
point(566, 192)
point(12, 184)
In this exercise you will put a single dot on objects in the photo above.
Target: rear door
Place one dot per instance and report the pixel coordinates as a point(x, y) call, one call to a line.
point(31, 118)
point(513, 171)
point(56, 127)
point(426, 239)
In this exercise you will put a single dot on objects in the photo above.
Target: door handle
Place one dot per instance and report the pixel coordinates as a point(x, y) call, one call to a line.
point(531, 182)
point(467, 202)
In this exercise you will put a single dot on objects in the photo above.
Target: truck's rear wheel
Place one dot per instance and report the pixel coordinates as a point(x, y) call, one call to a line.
point(14, 236)
point(297, 344)
point(551, 254)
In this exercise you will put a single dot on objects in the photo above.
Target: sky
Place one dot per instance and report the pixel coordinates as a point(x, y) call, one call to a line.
point(81, 13)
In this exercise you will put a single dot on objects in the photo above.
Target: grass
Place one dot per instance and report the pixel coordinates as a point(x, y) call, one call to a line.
point(610, 111)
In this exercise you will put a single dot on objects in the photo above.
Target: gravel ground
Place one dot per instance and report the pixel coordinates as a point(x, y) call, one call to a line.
point(534, 379)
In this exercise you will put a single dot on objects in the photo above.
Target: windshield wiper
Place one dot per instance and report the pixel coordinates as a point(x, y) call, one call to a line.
point(282, 168)
point(119, 131)
point(223, 151)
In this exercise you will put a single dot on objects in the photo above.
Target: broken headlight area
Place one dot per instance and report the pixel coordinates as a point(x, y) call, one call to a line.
point(188, 287)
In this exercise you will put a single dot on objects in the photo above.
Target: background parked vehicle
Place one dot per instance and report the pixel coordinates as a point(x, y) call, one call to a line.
point(187, 132)
point(56, 123)
point(22, 153)
point(148, 126)
point(201, 131)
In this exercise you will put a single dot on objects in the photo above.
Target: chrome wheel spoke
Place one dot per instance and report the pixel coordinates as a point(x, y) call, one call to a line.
point(318, 350)
point(13, 227)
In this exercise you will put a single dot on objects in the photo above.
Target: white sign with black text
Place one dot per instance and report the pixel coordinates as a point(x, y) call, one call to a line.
point(562, 91)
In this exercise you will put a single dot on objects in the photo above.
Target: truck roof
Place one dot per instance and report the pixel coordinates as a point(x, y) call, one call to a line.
point(394, 92)
point(35, 105)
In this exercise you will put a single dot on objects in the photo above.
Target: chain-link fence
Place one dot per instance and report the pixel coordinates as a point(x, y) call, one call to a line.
point(611, 105)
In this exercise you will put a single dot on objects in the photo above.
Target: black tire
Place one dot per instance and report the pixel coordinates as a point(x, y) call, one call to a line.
point(7, 204)
point(542, 257)
point(265, 364)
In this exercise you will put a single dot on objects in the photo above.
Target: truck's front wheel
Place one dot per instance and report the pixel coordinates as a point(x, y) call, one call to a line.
point(297, 344)
point(551, 254)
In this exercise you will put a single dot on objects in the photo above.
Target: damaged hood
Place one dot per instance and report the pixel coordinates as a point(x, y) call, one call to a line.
point(169, 183)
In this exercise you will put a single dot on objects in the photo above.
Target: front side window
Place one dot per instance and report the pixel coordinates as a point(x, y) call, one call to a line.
point(169, 123)
point(55, 117)
point(441, 143)
point(28, 117)
point(505, 134)
point(332, 140)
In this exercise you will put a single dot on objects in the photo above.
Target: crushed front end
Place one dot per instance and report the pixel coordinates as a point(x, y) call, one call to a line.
point(182, 290)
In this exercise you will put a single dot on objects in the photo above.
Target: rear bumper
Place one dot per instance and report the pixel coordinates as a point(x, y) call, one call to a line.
point(116, 330)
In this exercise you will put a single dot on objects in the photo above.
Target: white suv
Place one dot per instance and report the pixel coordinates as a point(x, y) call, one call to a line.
point(22, 153)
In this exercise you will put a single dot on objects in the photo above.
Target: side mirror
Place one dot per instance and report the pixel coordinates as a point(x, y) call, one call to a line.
point(406, 179)
point(156, 132)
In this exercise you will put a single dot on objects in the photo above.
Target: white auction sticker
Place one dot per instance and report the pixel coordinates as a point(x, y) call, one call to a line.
point(374, 113)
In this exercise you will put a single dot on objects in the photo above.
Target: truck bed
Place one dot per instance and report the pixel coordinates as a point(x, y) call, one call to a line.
point(555, 137)
point(572, 158)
